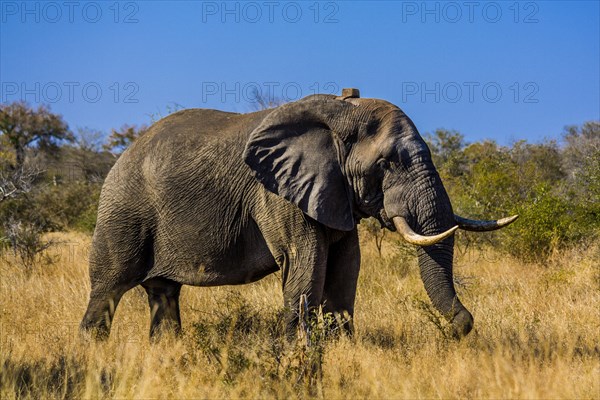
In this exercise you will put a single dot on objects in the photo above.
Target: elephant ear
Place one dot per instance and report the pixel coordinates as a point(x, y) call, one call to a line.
point(293, 154)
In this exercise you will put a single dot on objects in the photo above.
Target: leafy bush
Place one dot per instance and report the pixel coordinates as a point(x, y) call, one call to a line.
point(546, 224)
point(86, 221)
point(26, 243)
point(55, 208)
point(69, 205)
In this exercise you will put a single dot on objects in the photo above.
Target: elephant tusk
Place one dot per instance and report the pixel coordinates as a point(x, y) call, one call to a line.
point(483, 226)
point(414, 238)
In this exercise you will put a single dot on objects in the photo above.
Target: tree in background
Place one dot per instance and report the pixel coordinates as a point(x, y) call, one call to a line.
point(445, 145)
point(581, 162)
point(120, 139)
point(88, 156)
point(22, 126)
point(582, 142)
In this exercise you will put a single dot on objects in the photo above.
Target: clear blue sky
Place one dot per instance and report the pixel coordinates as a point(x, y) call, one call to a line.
point(500, 70)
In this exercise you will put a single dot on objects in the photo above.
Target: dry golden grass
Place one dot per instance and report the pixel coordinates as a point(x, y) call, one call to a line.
point(537, 335)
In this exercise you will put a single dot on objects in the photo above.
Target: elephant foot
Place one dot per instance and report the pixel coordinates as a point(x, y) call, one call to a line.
point(92, 331)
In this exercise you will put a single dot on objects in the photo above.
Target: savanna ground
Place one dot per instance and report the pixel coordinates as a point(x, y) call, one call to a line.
point(537, 334)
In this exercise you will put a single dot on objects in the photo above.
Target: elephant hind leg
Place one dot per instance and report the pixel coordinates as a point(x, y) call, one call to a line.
point(163, 299)
point(100, 312)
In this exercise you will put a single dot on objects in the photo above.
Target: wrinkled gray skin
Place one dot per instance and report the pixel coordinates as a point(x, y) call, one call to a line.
point(211, 198)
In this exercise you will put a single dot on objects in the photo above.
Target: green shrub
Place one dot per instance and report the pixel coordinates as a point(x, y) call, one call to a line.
point(86, 222)
point(547, 222)
point(56, 207)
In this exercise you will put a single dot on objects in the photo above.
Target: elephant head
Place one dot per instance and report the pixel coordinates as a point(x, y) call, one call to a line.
point(340, 159)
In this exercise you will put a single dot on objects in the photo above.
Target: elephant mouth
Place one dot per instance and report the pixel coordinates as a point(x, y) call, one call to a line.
point(385, 221)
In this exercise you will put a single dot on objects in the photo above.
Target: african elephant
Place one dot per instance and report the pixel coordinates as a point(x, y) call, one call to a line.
point(210, 198)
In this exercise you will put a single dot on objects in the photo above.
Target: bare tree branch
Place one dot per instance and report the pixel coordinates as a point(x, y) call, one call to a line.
point(17, 182)
point(260, 101)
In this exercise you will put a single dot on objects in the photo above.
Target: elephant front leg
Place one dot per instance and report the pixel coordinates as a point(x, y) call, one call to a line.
point(341, 280)
point(303, 273)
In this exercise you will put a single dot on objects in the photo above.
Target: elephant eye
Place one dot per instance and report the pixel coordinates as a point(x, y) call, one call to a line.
point(383, 164)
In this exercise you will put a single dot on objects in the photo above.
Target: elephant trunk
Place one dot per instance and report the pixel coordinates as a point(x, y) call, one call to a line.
point(435, 264)
point(434, 214)
point(429, 213)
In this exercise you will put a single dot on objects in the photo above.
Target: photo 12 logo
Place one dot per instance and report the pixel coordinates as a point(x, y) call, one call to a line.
point(253, 12)
point(263, 93)
point(469, 11)
point(70, 91)
point(53, 12)
point(469, 92)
